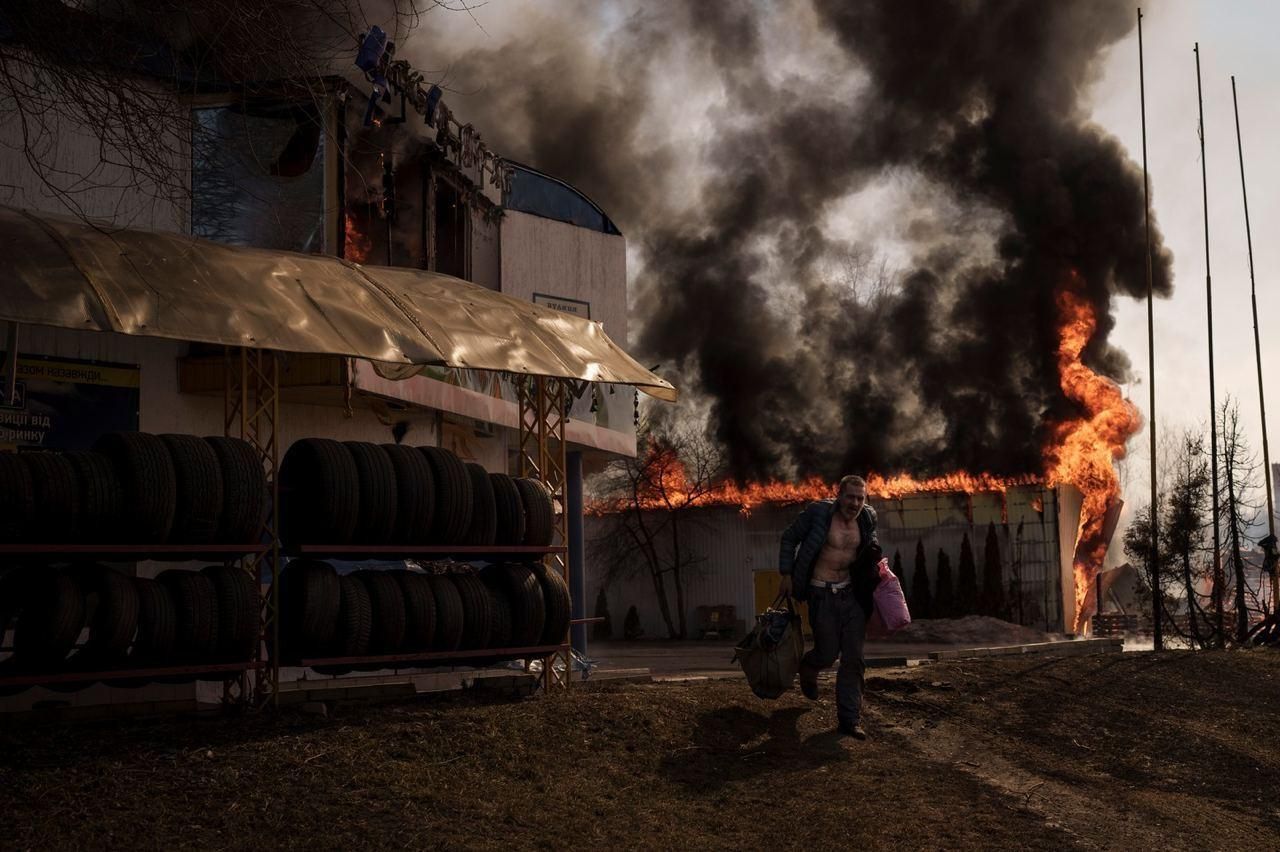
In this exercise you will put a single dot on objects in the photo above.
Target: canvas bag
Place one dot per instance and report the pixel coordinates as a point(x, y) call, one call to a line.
point(770, 654)
point(890, 611)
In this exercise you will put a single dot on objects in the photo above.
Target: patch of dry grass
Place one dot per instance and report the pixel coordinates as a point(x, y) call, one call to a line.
point(702, 765)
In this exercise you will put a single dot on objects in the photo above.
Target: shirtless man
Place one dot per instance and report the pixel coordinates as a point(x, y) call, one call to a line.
point(828, 558)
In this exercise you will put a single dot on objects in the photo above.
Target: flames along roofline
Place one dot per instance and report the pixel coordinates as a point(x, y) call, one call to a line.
point(749, 504)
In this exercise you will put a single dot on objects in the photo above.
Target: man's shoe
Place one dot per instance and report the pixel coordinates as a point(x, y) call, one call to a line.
point(853, 729)
point(809, 683)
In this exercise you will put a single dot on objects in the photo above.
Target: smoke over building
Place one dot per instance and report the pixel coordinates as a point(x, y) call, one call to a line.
point(728, 140)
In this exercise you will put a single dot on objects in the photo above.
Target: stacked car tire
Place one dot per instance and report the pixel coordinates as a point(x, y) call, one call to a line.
point(135, 488)
point(374, 613)
point(356, 493)
point(87, 619)
point(93, 618)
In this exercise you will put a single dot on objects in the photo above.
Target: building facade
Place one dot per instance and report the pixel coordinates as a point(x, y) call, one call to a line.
point(308, 176)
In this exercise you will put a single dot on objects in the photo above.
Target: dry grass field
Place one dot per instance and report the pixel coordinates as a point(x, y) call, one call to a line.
point(1121, 751)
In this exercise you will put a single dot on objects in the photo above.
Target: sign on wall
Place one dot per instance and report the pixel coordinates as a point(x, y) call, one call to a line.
point(577, 307)
point(67, 404)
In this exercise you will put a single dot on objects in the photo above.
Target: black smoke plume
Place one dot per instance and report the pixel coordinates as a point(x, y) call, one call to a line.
point(807, 361)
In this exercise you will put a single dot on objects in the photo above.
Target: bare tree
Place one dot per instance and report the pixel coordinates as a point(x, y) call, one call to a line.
point(866, 276)
point(1137, 547)
point(1191, 573)
point(1240, 511)
point(120, 72)
point(648, 503)
point(1182, 532)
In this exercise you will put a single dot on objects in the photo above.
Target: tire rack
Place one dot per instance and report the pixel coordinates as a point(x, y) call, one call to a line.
point(251, 411)
point(356, 551)
point(543, 416)
point(178, 552)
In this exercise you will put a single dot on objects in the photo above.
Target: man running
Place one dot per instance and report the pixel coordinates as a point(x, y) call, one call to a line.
point(828, 558)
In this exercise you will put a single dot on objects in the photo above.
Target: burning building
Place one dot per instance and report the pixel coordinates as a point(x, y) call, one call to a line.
point(731, 555)
point(1055, 527)
point(327, 174)
point(1020, 222)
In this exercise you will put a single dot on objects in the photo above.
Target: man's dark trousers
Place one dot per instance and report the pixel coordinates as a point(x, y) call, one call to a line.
point(839, 626)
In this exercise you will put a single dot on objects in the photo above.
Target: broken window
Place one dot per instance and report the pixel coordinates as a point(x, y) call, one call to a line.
point(257, 176)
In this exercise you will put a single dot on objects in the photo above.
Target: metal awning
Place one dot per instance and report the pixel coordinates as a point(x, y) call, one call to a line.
point(64, 272)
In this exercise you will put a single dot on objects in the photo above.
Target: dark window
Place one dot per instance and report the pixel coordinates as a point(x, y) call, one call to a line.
point(257, 176)
point(451, 221)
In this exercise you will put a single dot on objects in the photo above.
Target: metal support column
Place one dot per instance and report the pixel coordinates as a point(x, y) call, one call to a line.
point(544, 411)
point(578, 591)
point(251, 412)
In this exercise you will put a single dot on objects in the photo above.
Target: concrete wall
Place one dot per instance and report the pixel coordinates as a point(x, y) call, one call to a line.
point(551, 258)
point(557, 259)
point(93, 184)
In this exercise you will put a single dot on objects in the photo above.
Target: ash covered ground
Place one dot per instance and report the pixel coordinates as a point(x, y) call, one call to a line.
point(1170, 750)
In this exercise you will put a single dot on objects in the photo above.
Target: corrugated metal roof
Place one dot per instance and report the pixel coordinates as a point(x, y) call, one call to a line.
point(67, 273)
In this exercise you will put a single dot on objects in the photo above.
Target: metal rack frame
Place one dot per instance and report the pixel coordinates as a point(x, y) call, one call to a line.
point(544, 412)
point(427, 656)
point(171, 552)
point(391, 551)
point(251, 412)
point(88, 678)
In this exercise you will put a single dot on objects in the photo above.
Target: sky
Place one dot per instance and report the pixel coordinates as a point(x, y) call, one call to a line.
point(1236, 37)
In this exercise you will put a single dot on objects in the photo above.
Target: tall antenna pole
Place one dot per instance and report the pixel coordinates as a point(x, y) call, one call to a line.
point(1213, 399)
point(1157, 596)
point(1257, 346)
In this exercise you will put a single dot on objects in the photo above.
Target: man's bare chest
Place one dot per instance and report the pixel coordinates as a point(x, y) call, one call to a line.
point(843, 535)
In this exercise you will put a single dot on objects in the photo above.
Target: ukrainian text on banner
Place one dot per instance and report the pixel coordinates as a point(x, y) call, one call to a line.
point(67, 404)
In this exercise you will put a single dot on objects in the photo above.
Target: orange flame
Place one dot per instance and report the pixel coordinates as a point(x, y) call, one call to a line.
point(1084, 449)
point(357, 246)
point(667, 486)
point(1081, 452)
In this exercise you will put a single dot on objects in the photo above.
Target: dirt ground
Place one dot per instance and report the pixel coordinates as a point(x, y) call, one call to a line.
point(1129, 751)
point(973, 630)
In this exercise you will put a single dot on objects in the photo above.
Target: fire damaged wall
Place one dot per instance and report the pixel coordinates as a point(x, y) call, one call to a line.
point(778, 119)
point(1035, 535)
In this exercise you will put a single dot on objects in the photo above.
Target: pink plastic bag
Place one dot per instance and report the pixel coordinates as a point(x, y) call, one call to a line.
point(890, 611)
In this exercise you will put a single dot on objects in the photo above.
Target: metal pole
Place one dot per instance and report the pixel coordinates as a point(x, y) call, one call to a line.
point(11, 365)
point(1257, 344)
point(1157, 595)
point(1213, 400)
point(577, 576)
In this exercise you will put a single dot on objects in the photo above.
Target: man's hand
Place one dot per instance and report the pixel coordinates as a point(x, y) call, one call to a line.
point(784, 585)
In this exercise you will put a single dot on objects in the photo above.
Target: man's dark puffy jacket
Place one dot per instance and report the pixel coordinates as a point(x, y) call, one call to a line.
point(803, 541)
